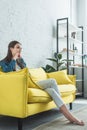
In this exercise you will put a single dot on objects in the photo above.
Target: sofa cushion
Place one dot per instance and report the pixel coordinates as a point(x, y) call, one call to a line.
point(60, 76)
point(73, 79)
point(37, 96)
point(35, 75)
point(67, 89)
point(31, 83)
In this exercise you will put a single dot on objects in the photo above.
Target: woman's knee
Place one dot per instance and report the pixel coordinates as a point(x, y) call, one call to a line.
point(53, 81)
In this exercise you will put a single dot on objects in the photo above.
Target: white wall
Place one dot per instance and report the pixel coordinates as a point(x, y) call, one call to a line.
point(81, 11)
point(82, 20)
point(73, 12)
point(33, 23)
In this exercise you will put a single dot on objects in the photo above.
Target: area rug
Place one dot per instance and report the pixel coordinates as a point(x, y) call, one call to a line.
point(62, 123)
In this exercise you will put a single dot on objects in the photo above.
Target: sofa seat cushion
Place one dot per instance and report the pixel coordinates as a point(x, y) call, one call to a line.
point(37, 96)
point(67, 89)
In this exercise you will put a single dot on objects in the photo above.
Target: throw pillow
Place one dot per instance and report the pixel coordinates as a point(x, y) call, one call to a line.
point(60, 77)
point(31, 83)
point(36, 75)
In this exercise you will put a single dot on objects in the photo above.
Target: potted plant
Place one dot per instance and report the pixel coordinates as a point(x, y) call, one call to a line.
point(59, 62)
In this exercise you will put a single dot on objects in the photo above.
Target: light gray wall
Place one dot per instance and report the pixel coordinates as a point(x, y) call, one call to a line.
point(33, 23)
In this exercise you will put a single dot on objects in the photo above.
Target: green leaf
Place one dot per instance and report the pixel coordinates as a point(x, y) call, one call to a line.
point(66, 60)
point(44, 68)
point(52, 59)
point(49, 68)
point(59, 64)
point(55, 55)
point(59, 56)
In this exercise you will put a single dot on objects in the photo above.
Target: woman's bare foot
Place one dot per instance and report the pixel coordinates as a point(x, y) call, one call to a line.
point(78, 123)
point(69, 116)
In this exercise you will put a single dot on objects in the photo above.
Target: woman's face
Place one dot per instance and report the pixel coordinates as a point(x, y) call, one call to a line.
point(17, 49)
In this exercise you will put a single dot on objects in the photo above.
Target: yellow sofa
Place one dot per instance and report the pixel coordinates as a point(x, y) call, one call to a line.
point(21, 97)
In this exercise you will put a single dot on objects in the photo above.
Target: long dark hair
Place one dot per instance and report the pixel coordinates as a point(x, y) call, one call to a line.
point(8, 58)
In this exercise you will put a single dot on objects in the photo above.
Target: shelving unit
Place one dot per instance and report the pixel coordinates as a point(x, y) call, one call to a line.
point(69, 41)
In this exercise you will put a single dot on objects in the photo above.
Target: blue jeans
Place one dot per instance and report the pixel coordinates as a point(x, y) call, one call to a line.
point(51, 87)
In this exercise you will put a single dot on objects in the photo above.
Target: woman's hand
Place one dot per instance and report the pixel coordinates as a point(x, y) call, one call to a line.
point(16, 56)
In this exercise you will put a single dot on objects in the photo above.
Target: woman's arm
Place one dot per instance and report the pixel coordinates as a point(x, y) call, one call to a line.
point(21, 63)
point(24, 64)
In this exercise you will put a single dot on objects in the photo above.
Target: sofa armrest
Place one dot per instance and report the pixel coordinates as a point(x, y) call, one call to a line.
point(13, 95)
point(72, 78)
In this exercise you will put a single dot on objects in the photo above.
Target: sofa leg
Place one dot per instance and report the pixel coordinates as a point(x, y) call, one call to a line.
point(70, 105)
point(20, 123)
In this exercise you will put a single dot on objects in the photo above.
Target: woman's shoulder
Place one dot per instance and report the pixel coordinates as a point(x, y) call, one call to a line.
point(2, 62)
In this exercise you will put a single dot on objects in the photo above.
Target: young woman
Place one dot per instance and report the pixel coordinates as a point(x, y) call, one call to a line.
point(13, 62)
